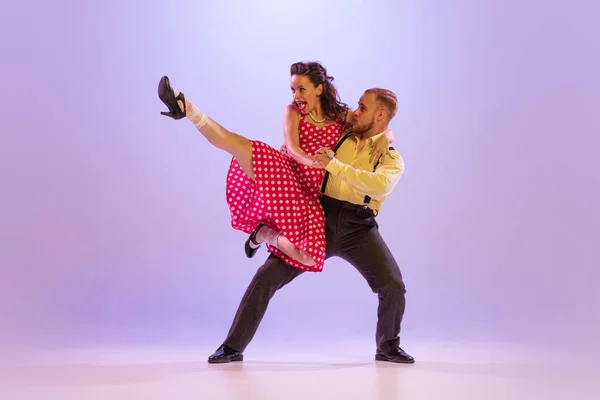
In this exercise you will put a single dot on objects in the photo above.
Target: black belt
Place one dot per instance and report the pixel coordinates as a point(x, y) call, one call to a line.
point(333, 203)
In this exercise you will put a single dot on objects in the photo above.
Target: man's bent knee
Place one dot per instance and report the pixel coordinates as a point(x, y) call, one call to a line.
point(394, 286)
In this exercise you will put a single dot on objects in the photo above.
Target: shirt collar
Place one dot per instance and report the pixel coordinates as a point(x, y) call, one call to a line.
point(373, 138)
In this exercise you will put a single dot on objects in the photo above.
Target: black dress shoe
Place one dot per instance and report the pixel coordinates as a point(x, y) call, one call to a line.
point(396, 356)
point(225, 354)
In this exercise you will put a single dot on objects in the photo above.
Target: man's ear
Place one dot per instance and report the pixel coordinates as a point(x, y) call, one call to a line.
point(381, 115)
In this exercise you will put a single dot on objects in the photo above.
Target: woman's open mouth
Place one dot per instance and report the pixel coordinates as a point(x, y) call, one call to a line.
point(301, 105)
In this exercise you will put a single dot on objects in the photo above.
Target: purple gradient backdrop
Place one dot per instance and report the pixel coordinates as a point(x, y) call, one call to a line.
point(114, 226)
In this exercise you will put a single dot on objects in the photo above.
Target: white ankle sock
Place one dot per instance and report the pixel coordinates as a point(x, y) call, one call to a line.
point(197, 117)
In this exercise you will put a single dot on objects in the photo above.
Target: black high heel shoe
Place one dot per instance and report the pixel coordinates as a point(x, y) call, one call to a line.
point(167, 96)
point(250, 252)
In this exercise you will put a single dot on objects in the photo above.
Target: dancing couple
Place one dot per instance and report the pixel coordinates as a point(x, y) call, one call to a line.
point(317, 197)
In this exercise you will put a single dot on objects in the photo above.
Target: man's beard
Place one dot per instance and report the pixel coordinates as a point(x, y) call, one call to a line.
point(359, 130)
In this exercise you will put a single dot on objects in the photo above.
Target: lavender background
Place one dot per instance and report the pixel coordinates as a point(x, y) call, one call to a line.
point(114, 226)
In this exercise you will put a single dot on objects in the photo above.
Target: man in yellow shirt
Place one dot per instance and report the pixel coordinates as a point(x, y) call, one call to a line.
point(354, 190)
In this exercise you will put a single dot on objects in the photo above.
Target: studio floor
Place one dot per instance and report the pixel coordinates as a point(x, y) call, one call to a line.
point(325, 371)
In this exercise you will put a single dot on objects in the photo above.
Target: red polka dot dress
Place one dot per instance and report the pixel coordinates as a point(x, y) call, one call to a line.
point(284, 194)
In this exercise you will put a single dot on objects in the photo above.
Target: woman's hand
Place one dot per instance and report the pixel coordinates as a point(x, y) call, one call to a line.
point(381, 147)
point(322, 158)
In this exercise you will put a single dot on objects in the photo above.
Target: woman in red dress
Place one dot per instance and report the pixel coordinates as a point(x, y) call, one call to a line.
point(273, 195)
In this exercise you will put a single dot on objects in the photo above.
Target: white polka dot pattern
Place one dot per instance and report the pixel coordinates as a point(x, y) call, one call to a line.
point(284, 195)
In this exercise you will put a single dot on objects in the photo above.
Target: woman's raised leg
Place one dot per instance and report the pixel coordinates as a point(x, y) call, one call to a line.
point(180, 106)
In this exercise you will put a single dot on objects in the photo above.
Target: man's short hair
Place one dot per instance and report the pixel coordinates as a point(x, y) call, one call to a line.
point(387, 98)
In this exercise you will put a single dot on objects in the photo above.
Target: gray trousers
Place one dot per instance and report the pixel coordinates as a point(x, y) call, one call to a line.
point(352, 234)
